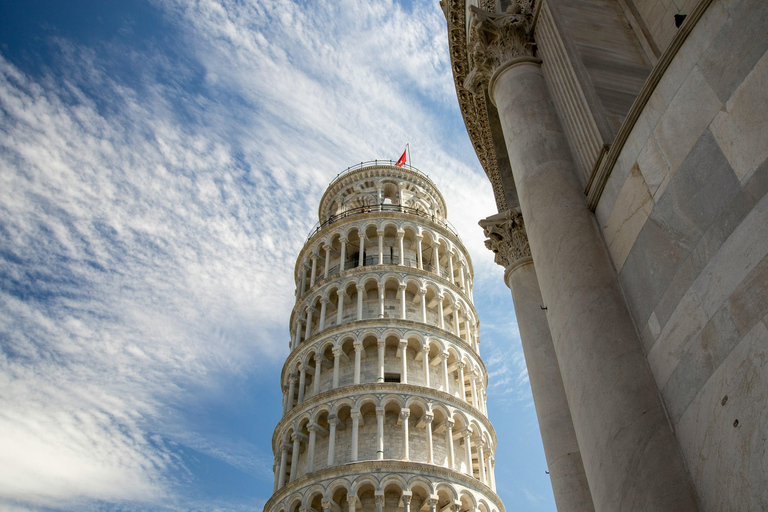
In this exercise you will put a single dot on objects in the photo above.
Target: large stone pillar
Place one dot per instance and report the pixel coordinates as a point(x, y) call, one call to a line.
point(631, 458)
point(509, 242)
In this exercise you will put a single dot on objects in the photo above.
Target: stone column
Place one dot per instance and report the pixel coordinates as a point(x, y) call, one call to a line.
point(467, 434)
point(291, 391)
point(428, 429)
point(507, 238)
point(355, 432)
point(446, 386)
point(462, 279)
point(313, 275)
point(342, 255)
point(481, 460)
point(419, 258)
point(285, 400)
point(362, 249)
point(303, 287)
point(332, 440)
point(381, 247)
point(406, 497)
point(341, 294)
point(381, 344)
point(382, 290)
point(302, 382)
point(404, 415)
point(379, 500)
point(311, 447)
point(631, 458)
point(492, 471)
point(403, 310)
point(360, 291)
point(403, 348)
point(432, 503)
point(326, 504)
point(336, 356)
point(296, 438)
point(462, 388)
point(323, 308)
point(327, 248)
point(358, 353)
point(379, 433)
point(401, 259)
point(318, 371)
point(308, 326)
point(473, 387)
point(425, 363)
point(449, 443)
point(283, 463)
point(351, 503)
point(422, 299)
point(450, 268)
point(435, 258)
point(456, 328)
point(440, 312)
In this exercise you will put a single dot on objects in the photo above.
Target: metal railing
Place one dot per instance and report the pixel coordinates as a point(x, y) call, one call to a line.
point(377, 208)
point(373, 163)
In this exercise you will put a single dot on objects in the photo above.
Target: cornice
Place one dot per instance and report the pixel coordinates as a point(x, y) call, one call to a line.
point(384, 467)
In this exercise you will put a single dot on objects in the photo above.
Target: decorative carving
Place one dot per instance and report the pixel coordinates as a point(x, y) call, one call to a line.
point(495, 39)
point(506, 237)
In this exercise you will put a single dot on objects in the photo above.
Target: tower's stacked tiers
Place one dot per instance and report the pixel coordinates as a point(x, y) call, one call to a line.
point(384, 388)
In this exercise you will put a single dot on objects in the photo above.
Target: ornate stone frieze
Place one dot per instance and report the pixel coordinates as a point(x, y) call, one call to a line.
point(506, 237)
point(497, 38)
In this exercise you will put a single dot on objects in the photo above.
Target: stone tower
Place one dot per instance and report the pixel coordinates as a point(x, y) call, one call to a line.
point(384, 389)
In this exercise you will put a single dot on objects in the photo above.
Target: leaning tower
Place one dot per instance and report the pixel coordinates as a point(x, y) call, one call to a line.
point(384, 404)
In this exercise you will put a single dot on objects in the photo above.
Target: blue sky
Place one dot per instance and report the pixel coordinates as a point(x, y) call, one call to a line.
point(160, 167)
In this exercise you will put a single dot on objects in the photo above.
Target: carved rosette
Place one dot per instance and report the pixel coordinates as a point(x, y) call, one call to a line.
point(495, 39)
point(506, 237)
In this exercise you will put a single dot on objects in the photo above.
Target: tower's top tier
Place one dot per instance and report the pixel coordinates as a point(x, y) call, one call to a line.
point(381, 182)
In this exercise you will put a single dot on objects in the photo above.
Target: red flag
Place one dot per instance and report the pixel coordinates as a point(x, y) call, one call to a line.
point(401, 160)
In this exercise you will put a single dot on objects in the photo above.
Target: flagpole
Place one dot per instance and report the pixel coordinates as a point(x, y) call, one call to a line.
point(408, 147)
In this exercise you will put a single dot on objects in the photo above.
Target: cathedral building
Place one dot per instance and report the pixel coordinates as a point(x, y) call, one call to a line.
point(626, 144)
point(384, 405)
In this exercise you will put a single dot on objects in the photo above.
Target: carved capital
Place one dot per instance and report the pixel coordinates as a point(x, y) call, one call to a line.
point(495, 39)
point(506, 237)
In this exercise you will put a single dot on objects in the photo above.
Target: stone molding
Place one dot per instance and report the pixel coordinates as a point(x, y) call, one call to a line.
point(496, 39)
point(506, 237)
point(379, 469)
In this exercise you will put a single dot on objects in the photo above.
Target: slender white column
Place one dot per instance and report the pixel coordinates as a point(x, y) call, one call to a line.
point(318, 371)
point(468, 451)
point(406, 497)
point(432, 502)
point(326, 505)
point(276, 471)
point(311, 447)
point(285, 400)
point(381, 344)
point(308, 331)
point(403, 310)
point(492, 471)
point(440, 314)
point(342, 296)
point(462, 389)
point(444, 363)
point(381, 247)
point(296, 438)
point(291, 391)
point(327, 248)
point(449, 443)
point(400, 248)
point(313, 275)
point(360, 291)
point(450, 268)
point(382, 290)
point(355, 433)
point(428, 429)
point(423, 295)
point(419, 258)
point(302, 382)
point(425, 363)
point(462, 279)
point(303, 281)
point(323, 307)
point(296, 335)
point(456, 330)
point(379, 433)
point(343, 254)
point(403, 346)
point(467, 330)
point(481, 460)
point(435, 259)
point(336, 356)
point(404, 415)
point(351, 503)
point(379, 500)
point(358, 354)
point(362, 249)
point(473, 387)
point(332, 440)
point(283, 463)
